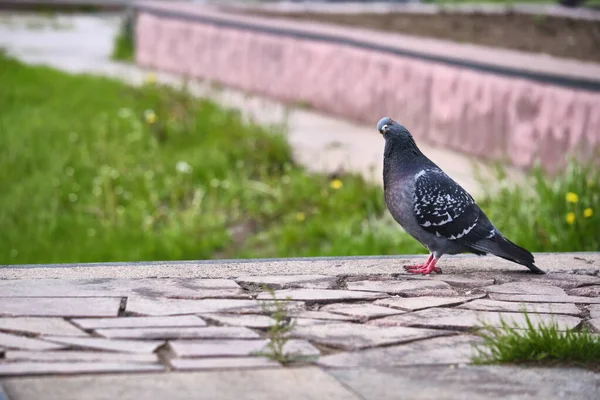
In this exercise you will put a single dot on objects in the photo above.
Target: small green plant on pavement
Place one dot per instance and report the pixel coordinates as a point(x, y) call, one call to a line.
point(278, 333)
point(542, 344)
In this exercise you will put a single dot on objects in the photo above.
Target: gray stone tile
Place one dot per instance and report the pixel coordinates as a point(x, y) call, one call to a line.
point(41, 326)
point(321, 295)
point(361, 311)
point(531, 298)
point(423, 302)
point(595, 324)
point(343, 335)
point(588, 291)
point(302, 348)
point(140, 322)
point(249, 320)
point(526, 287)
point(306, 383)
point(471, 383)
point(209, 332)
point(73, 367)
point(107, 287)
point(595, 310)
point(9, 341)
point(405, 288)
point(76, 355)
point(145, 306)
point(322, 315)
point(312, 321)
point(60, 307)
point(453, 318)
point(189, 364)
point(289, 281)
point(440, 350)
point(125, 346)
point(236, 348)
point(458, 281)
point(216, 348)
point(507, 306)
point(567, 281)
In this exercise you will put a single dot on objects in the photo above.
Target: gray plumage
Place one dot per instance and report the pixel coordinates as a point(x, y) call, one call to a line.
point(433, 208)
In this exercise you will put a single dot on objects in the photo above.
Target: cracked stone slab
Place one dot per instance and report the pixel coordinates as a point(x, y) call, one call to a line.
point(423, 302)
point(216, 348)
point(588, 291)
point(9, 341)
point(73, 367)
point(60, 307)
point(357, 336)
point(305, 383)
point(530, 298)
point(210, 332)
point(248, 320)
point(413, 287)
point(361, 311)
point(290, 281)
point(125, 346)
point(110, 287)
point(322, 315)
point(471, 383)
point(595, 311)
point(440, 350)
point(155, 307)
point(41, 326)
point(595, 324)
point(455, 280)
point(321, 295)
point(237, 348)
point(568, 281)
point(188, 364)
point(87, 356)
point(526, 287)
point(454, 318)
point(507, 306)
point(140, 322)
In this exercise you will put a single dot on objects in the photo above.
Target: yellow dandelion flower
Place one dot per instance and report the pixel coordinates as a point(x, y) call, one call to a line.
point(336, 184)
point(150, 78)
point(572, 197)
point(300, 216)
point(150, 116)
point(588, 212)
point(570, 218)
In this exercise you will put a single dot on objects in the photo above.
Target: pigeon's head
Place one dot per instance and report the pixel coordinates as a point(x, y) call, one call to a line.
point(391, 129)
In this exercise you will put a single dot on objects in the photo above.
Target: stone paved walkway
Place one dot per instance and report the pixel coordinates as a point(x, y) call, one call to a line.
point(355, 332)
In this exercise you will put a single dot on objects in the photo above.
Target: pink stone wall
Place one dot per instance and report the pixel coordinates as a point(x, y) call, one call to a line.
point(473, 112)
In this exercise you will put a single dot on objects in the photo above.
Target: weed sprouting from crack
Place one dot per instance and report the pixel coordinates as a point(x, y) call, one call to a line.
point(278, 333)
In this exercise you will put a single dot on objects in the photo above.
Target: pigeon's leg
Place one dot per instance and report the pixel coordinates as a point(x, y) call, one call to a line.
point(412, 267)
point(427, 268)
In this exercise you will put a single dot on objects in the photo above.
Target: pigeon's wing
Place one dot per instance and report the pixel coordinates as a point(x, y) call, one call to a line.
point(444, 208)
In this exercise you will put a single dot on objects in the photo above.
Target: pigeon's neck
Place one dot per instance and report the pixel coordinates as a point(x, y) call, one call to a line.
point(401, 159)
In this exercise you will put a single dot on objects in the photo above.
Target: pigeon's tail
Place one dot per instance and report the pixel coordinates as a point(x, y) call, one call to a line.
point(504, 248)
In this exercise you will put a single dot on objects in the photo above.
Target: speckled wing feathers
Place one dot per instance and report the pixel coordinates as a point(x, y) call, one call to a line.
point(445, 209)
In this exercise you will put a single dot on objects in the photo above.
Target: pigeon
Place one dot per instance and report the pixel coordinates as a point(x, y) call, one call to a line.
point(434, 209)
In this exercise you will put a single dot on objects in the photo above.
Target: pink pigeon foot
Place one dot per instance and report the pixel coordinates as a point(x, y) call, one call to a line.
point(424, 269)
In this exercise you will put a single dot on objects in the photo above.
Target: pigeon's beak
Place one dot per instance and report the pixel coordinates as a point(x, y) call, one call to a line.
point(384, 129)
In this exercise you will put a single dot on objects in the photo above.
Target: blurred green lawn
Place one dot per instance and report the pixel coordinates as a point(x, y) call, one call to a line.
point(94, 170)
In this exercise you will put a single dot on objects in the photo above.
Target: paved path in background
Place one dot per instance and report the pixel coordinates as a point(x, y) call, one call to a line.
point(372, 333)
point(83, 44)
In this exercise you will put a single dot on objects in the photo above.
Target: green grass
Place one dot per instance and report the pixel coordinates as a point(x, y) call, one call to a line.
point(544, 345)
point(94, 170)
point(551, 214)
